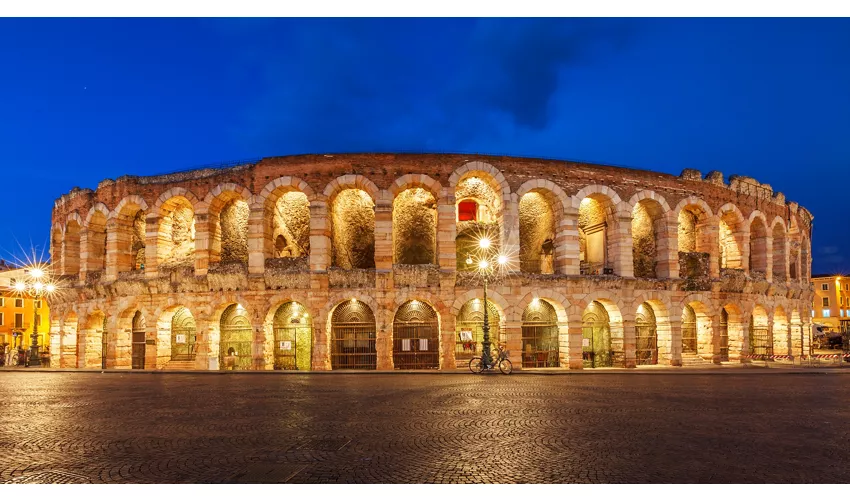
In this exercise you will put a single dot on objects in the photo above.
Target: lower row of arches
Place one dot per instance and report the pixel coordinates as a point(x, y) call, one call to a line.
point(418, 340)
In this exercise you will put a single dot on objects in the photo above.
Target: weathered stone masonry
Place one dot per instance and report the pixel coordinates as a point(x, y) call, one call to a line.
point(359, 261)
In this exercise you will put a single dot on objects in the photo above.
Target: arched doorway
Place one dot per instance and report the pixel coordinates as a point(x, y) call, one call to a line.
point(416, 337)
point(236, 339)
point(469, 335)
point(760, 342)
point(646, 336)
point(293, 337)
point(183, 336)
point(724, 335)
point(689, 330)
point(540, 335)
point(353, 337)
point(138, 335)
point(596, 337)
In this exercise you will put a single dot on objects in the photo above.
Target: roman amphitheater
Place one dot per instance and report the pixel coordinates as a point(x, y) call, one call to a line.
point(371, 261)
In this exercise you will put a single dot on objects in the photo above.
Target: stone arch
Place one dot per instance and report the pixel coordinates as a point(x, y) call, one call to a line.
point(779, 250)
point(128, 222)
point(56, 234)
point(731, 237)
point(502, 305)
point(160, 208)
point(603, 332)
point(350, 181)
point(652, 248)
point(600, 210)
point(415, 226)
point(481, 197)
point(416, 336)
point(94, 341)
point(662, 310)
point(176, 229)
point(93, 240)
point(127, 327)
point(353, 335)
point(542, 228)
point(557, 333)
point(760, 343)
point(735, 343)
point(694, 236)
point(758, 245)
point(71, 244)
point(69, 340)
point(232, 341)
point(805, 273)
point(177, 335)
point(352, 218)
point(703, 335)
point(285, 203)
point(423, 181)
point(289, 335)
point(227, 210)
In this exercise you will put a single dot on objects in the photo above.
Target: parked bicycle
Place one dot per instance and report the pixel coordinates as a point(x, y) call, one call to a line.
point(476, 365)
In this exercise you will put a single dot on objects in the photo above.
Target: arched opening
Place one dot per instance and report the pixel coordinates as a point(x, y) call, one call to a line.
point(95, 352)
point(175, 246)
point(236, 339)
point(229, 230)
point(353, 230)
point(479, 213)
point(131, 227)
point(536, 233)
point(415, 227)
point(758, 248)
point(596, 337)
point(646, 336)
point(138, 341)
point(56, 250)
point(730, 240)
point(353, 337)
point(416, 337)
point(689, 331)
point(293, 337)
point(798, 342)
point(781, 333)
point(760, 343)
point(735, 332)
point(595, 217)
point(96, 244)
point(184, 336)
point(469, 329)
point(648, 225)
point(805, 270)
point(290, 226)
point(780, 255)
point(694, 242)
point(723, 333)
point(69, 342)
point(71, 248)
point(540, 336)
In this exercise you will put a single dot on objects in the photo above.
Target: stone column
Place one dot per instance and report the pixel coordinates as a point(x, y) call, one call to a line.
point(667, 248)
point(151, 246)
point(629, 344)
point(709, 232)
point(384, 232)
point(321, 342)
point(715, 339)
point(113, 256)
point(82, 335)
point(84, 255)
point(151, 345)
point(447, 341)
point(513, 332)
point(203, 243)
point(768, 250)
point(446, 234)
point(123, 357)
point(621, 246)
point(567, 244)
point(742, 236)
point(383, 341)
point(320, 236)
point(202, 340)
point(575, 360)
point(510, 222)
point(256, 240)
point(675, 341)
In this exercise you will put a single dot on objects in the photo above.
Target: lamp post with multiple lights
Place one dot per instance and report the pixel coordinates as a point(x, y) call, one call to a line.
point(486, 268)
point(37, 284)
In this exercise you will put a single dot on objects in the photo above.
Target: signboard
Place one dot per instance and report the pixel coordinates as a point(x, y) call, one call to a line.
point(585, 342)
point(405, 344)
point(466, 335)
point(181, 338)
point(285, 345)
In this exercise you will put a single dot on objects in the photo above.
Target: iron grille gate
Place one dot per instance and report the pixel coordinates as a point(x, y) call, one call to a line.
point(469, 335)
point(646, 336)
point(236, 339)
point(416, 344)
point(138, 333)
point(760, 343)
point(689, 331)
point(353, 337)
point(104, 345)
point(293, 337)
point(183, 336)
point(540, 336)
point(724, 335)
point(596, 338)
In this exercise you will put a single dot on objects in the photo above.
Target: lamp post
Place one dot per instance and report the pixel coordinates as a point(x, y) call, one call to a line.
point(486, 268)
point(37, 283)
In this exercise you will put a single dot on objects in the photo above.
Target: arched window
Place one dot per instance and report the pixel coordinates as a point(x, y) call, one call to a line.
point(415, 227)
point(646, 336)
point(416, 337)
point(353, 337)
point(183, 336)
point(138, 334)
point(353, 229)
point(293, 337)
point(236, 339)
point(540, 341)
point(469, 325)
point(596, 337)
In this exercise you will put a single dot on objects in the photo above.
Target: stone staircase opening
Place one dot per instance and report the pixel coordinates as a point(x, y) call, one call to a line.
point(182, 365)
point(690, 359)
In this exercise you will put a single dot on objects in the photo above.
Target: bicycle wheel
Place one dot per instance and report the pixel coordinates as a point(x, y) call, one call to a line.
point(505, 366)
point(475, 365)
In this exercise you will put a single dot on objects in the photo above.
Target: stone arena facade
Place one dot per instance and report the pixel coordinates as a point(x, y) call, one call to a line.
point(368, 261)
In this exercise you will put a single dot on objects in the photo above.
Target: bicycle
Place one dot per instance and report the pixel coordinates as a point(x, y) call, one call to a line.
point(501, 361)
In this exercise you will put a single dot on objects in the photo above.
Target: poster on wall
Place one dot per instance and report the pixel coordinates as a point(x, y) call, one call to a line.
point(181, 339)
point(285, 345)
point(585, 342)
point(466, 335)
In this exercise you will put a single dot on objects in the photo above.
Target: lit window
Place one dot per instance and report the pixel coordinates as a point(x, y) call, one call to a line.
point(19, 320)
point(825, 302)
point(38, 304)
point(19, 302)
point(813, 313)
point(825, 313)
point(467, 210)
point(841, 312)
point(2, 301)
point(824, 286)
point(2, 320)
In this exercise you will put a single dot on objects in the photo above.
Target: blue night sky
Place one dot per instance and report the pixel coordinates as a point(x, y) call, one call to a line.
point(89, 99)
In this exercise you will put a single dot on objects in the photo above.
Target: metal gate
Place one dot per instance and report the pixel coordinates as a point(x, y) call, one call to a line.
point(646, 336)
point(353, 337)
point(183, 336)
point(236, 339)
point(724, 335)
point(138, 333)
point(416, 341)
point(760, 343)
point(293, 337)
point(469, 330)
point(540, 335)
point(104, 345)
point(689, 331)
point(596, 337)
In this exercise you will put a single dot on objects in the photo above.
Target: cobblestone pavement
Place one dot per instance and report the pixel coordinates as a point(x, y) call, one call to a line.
point(609, 428)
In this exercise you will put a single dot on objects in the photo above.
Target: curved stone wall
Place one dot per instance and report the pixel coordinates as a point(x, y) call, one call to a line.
point(639, 267)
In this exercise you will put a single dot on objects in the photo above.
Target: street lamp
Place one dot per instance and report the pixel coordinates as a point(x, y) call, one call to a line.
point(37, 283)
point(488, 265)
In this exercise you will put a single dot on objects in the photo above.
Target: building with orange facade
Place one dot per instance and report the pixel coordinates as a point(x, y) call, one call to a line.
point(16, 313)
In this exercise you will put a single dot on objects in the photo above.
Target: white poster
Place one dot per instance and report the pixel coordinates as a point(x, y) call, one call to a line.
point(285, 345)
point(585, 342)
point(423, 344)
point(405, 344)
point(466, 335)
point(181, 339)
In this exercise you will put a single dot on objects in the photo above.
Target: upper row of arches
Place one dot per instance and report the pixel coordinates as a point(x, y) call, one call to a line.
point(354, 224)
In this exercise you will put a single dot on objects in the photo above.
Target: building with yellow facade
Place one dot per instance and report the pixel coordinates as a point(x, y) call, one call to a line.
point(831, 303)
point(16, 313)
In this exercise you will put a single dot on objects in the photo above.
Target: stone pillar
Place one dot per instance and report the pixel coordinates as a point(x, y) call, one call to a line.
point(321, 343)
point(113, 236)
point(510, 223)
point(447, 341)
point(151, 246)
point(629, 344)
point(513, 333)
point(566, 243)
point(446, 235)
point(575, 360)
point(256, 240)
point(621, 246)
point(202, 340)
point(675, 341)
point(84, 255)
point(203, 243)
point(709, 233)
point(768, 250)
point(667, 248)
point(383, 341)
point(80, 361)
point(320, 236)
point(123, 349)
point(715, 339)
point(151, 345)
point(384, 231)
point(742, 236)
